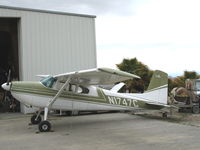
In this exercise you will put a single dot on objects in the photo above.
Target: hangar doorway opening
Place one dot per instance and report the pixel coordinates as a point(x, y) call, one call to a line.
point(9, 60)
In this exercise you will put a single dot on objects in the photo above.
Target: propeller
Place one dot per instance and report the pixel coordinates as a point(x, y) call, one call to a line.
point(8, 78)
point(6, 87)
point(9, 100)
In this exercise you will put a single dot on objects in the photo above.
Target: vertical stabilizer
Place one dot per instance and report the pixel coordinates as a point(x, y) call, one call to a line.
point(159, 79)
point(158, 88)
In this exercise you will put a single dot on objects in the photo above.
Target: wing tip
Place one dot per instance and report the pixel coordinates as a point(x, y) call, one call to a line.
point(118, 72)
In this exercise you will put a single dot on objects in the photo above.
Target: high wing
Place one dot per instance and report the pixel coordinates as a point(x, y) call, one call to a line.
point(97, 76)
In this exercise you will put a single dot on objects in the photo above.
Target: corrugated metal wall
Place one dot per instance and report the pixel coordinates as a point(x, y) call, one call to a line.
point(53, 43)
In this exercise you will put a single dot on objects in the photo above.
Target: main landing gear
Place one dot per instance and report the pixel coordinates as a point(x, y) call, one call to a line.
point(43, 126)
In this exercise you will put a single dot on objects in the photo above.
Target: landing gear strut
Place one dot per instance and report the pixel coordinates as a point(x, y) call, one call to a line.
point(45, 126)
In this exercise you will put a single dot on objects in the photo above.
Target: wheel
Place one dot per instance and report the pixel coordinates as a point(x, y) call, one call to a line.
point(44, 126)
point(195, 109)
point(33, 121)
point(164, 115)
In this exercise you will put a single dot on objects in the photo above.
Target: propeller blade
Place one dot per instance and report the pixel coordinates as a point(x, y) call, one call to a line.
point(8, 79)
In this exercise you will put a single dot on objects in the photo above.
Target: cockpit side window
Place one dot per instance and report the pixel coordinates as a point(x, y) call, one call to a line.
point(48, 82)
point(81, 89)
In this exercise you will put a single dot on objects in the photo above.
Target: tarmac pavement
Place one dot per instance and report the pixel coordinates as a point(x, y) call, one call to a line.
point(113, 131)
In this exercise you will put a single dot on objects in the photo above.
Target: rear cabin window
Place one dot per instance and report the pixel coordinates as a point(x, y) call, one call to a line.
point(81, 89)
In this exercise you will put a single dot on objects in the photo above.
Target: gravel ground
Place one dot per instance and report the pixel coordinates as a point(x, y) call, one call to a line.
point(112, 131)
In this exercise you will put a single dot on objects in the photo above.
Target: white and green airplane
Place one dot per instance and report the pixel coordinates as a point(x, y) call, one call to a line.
point(79, 91)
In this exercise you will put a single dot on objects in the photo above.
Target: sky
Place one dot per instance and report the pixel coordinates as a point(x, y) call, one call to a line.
point(163, 34)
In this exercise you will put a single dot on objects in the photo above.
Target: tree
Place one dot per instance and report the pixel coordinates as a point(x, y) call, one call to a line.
point(190, 75)
point(136, 67)
point(180, 80)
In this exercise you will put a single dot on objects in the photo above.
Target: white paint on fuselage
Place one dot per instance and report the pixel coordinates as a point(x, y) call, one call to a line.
point(64, 103)
point(116, 100)
point(157, 96)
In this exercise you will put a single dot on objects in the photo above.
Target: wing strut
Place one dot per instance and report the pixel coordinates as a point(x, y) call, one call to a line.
point(55, 98)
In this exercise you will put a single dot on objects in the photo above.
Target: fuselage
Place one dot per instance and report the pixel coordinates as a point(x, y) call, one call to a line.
point(38, 95)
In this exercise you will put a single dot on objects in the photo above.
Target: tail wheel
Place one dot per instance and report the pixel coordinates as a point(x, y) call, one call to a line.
point(34, 121)
point(44, 126)
point(164, 115)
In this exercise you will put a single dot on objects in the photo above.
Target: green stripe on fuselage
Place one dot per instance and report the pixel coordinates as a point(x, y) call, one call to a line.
point(129, 102)
point(39, 89)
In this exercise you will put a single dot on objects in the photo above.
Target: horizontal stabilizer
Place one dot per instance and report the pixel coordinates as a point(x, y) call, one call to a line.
point(117, 87)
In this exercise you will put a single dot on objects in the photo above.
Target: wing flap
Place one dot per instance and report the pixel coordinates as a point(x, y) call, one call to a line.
point(117, 87)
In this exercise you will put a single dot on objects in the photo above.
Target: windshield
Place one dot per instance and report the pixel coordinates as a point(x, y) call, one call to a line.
point(48, 82)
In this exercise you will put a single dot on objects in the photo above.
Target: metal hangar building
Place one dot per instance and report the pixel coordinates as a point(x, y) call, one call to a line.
point(36, 42)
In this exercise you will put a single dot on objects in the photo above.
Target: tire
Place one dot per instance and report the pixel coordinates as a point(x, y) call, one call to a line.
point(44, 126)
point(195, 109)
point(33, 121)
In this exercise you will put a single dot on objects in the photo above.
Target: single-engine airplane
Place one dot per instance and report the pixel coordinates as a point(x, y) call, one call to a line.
point(79, 89)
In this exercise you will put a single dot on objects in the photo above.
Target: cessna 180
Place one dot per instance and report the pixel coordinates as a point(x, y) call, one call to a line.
point(79, 89)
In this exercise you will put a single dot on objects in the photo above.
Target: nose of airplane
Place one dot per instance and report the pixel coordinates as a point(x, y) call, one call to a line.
point(6, 86)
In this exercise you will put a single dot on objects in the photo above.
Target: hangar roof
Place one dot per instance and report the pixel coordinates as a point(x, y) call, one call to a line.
point(47, 11)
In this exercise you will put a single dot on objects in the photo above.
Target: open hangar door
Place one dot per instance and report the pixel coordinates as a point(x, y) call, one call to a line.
point(9, 60)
